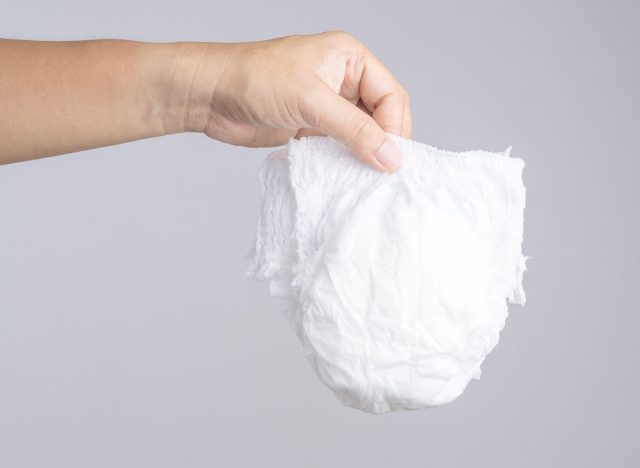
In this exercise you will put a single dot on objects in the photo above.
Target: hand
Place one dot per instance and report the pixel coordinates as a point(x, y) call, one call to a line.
point(262, 93)
point(61, 97)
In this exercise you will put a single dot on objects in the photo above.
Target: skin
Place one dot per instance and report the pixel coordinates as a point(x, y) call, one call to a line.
point(62, 97)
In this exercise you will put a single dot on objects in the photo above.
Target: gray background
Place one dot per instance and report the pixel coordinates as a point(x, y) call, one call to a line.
point(130, 338)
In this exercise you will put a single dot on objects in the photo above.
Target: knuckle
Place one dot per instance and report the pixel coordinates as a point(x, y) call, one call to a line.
point(339, 33)
point(340, 36)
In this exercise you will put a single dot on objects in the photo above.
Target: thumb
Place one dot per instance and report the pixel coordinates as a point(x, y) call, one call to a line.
point(346, 123)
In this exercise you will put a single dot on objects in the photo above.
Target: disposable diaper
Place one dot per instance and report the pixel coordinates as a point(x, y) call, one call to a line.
point(395, 283)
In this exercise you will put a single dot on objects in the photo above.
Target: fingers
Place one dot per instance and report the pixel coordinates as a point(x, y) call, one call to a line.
point(329, 112)
point(304, 132)
point(385, 97)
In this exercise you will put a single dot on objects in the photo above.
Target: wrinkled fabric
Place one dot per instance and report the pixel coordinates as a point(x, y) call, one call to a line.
point(395, 283)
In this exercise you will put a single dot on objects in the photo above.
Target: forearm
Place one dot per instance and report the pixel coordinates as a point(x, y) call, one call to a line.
point(61, 97)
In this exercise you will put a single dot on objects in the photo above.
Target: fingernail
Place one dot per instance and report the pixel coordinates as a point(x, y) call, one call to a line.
point(389, 155)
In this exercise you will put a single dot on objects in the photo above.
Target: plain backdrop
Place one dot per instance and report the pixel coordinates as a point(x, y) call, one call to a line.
point(129, 336)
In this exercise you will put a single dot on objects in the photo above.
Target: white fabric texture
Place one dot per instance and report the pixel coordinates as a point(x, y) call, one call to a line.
point(395, 283)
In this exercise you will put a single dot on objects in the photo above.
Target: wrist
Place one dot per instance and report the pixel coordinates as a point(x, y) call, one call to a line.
point(188, 75)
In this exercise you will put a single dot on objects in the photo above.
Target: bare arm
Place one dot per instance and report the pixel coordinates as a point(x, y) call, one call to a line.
point(61, 97)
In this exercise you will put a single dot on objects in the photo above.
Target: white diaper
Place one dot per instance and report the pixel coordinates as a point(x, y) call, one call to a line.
point(395, 283)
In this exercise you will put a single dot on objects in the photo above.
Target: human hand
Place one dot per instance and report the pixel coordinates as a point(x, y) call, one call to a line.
point(262, 93)
point(68, 96)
